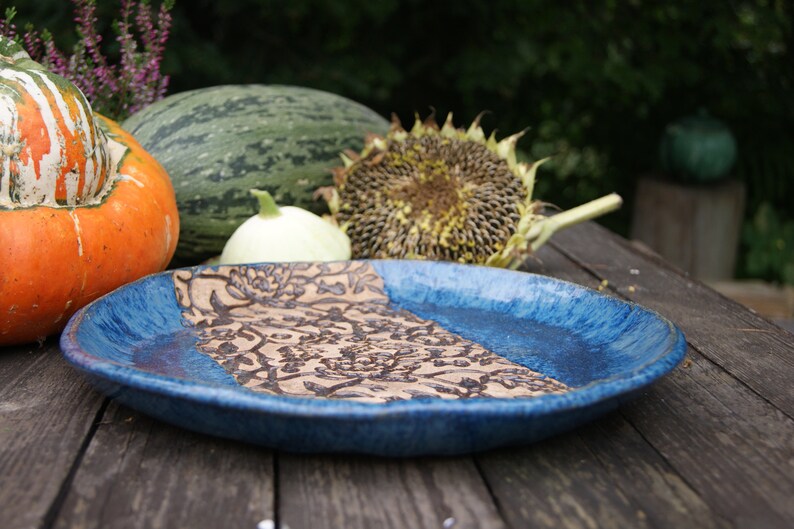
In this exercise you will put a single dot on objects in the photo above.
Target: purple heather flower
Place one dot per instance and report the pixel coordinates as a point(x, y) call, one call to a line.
point(115, 90)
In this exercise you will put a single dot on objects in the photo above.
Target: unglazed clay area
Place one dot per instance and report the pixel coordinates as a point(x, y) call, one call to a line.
point(329, 330)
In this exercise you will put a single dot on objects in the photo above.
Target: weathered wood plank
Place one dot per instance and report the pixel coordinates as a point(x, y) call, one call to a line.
point(754, 350)
point(317, 492)
point(695, 227)
point(15, 361)
point(140, 473)
point(46, 414)
point(557, 483)
point(645, 477)
point(731, 445)
point(602, 475)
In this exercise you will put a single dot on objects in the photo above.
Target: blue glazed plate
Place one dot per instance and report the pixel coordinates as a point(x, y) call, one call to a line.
point(397, 358)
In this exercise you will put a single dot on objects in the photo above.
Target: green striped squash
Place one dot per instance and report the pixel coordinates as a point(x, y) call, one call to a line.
point(218, 143)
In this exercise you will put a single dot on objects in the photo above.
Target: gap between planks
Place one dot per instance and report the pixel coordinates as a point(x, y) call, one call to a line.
point(55, 507)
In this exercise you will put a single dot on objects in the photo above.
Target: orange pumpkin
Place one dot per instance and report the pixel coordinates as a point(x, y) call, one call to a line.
point(83, 208)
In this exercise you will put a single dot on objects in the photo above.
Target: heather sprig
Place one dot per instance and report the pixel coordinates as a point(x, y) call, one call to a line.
point(7, 27)
point(114, 89)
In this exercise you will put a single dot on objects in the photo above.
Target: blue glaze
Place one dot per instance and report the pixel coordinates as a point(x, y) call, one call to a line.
point(554, 327)
point(132, 344)
point(141, 326)
point(554, 351)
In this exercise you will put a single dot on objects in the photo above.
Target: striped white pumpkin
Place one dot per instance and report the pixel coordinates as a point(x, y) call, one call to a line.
point(52, 151)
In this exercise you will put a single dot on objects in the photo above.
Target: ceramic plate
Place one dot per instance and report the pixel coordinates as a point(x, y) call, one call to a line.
point(398, 358)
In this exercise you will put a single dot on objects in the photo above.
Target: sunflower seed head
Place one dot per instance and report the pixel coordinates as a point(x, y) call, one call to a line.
point(439, 193)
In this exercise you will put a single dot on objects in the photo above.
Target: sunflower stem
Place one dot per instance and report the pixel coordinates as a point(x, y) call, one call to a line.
point(542, 230)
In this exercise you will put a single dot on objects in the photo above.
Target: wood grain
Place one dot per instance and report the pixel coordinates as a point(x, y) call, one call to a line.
point(141, 473)
point(317, 492)
point(731, 446)
point(695, 227)
point(606, 474)
point(719, 428)
point(46, 414)
point(754, 350)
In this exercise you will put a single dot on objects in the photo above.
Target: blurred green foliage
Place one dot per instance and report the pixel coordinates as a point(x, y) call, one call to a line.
point(770, 242)
point(595, 81)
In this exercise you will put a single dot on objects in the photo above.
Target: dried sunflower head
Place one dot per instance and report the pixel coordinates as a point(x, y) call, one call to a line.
point(438, 193)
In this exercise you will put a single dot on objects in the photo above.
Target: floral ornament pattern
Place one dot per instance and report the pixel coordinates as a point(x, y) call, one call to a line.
point(328, 330)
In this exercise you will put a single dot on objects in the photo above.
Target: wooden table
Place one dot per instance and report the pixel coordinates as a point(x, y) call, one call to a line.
point(710, 445)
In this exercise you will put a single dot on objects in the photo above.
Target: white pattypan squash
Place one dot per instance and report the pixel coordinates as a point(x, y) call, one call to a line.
point(282, 234)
